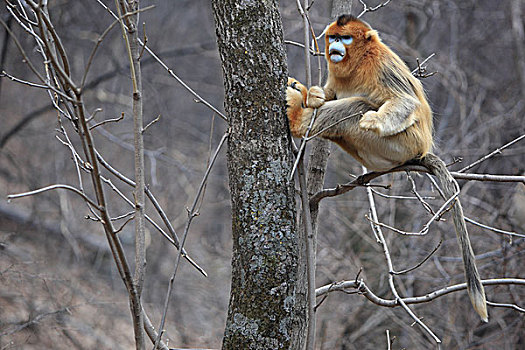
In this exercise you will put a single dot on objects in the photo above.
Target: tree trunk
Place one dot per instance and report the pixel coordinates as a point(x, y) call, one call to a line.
point(265, 311)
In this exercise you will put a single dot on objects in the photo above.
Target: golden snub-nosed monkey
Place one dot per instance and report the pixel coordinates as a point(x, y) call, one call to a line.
point(376, 110)
point(364, 76)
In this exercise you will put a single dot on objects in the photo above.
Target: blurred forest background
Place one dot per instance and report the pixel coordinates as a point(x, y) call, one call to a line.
point(59, 288)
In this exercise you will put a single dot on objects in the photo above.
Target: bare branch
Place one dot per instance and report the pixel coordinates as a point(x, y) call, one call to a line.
point(361, 286)
point(493, 153)
point(295, 43)
point(30, 64)
point(421, 70)
point(497, 230)
point(151, 123)
point(55, 187)
point(191, 214)
point(420, 263)
point(366, 8)
point(424, 230)
point(366, 178)
point(381, 194)
point(21, 81)
point(173, 239)
point(509, 306)
point(170, 71)
point(114, 120)
point(421, 200)
point(308, 138)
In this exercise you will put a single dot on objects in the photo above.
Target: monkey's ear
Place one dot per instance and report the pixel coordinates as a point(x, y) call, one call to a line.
point(372, 35)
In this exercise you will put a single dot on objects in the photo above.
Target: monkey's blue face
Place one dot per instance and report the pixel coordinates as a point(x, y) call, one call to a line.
point(337, 49)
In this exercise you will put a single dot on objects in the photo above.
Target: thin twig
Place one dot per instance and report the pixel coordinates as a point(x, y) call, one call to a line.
point(174, 238)
point(21, 81)
point(30, 64)
point(302, 147)
point(421, 200)
point(55, 187)
point(295, 43)
point(389, 196)
point(151, 123)
point(191, 214)
point(497, 230)
point(424, 230)
point(308, 138)
point(114, 120)
point(509, 306)
point(366, 8)
point(373, 212)
point(170, 71)
point(422, 63)
point(421, 71)
point(124, 224)
point(420, 263)
point(491, 154)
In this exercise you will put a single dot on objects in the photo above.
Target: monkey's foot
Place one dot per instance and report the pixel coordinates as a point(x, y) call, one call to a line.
point(295, 104)
point(294, 84)
point(315, 98)
point(371, 121)
point(295, 98)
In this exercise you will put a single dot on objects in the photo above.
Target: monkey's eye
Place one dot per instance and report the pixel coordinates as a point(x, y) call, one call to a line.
point(346, 39)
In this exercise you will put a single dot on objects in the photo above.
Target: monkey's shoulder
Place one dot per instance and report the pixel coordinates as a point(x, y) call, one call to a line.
point(395, 76)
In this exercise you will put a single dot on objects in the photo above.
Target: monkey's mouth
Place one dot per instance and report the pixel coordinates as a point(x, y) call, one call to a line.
point(337, 52)
point(336, 56)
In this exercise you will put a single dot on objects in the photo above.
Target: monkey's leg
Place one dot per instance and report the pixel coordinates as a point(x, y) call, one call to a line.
point(339, 118)
point(394, 116)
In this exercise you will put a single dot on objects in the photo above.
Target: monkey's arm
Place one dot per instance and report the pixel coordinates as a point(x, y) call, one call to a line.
point(333, 118)
point(394, 116)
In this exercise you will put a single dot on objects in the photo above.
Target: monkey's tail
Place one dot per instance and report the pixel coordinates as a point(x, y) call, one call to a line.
point(450, 188)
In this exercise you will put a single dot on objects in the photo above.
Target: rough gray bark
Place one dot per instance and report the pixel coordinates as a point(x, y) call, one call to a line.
point(265, 311)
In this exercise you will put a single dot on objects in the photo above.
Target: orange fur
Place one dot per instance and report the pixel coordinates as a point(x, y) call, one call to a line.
point(396, 121)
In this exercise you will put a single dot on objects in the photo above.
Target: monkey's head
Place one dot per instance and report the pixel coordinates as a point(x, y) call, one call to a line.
point(347, 41)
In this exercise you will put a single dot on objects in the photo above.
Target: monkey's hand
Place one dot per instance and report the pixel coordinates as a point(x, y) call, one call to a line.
point(316, 97)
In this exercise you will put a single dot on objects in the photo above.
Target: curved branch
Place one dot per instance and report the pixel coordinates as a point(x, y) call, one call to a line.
point(363, 289)
point(366, 178)
point(54, 187)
